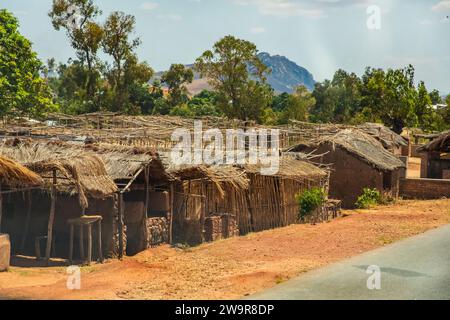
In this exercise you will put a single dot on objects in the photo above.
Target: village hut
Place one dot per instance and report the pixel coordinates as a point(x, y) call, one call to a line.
point(126, 186)
point(74, 184)
point(357, 161)
point(215, 195)
point(435, 158)
point(221, 201)
point(13, 178)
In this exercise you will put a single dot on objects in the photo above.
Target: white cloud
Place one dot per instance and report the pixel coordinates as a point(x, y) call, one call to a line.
point(443, 5)
point(149, 6)
point(282, 8)
point(257, 30)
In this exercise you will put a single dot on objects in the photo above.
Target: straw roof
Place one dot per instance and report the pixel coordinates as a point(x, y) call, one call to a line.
point(439, 144)
point(386, 136)
point(291, 168)
point(78, 172)
point(359, 144)
point(221, 176)
point(13, 174)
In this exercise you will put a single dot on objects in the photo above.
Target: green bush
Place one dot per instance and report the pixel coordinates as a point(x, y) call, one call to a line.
point(369, 198)
point(310, 200)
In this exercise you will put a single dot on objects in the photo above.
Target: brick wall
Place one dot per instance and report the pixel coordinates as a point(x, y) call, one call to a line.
point(424, 188)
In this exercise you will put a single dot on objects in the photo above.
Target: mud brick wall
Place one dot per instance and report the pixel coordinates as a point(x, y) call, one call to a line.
point(424, 188)
point(5, 252)
point(220, 226)
point(157, 231)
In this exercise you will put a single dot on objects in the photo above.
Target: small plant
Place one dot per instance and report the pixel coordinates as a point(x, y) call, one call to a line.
point(369, 198)
point(309, 201)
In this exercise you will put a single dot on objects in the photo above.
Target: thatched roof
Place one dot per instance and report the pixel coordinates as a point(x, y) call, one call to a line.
point(359, 144)
point(292, 168)
point(440, 144)
point(220, 176)
point(78, 172)
point(386, 136)
point(13, 174)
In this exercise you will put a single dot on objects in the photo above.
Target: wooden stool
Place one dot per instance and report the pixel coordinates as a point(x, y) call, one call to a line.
point(87, 221)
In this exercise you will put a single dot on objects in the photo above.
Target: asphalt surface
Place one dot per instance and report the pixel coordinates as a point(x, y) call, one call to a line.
point(415, 268)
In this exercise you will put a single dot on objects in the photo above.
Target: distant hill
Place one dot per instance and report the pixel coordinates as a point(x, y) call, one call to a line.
point(286, 75)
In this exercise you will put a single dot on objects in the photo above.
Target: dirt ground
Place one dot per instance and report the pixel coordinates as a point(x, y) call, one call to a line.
point(232, 268)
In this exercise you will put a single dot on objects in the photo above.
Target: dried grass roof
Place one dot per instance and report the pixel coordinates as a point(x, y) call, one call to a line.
point(386, 136)
point(77, 171)
point(439, 144)
point(13, 174)
point(291, 168)
point(220, 176)
point(360, 144)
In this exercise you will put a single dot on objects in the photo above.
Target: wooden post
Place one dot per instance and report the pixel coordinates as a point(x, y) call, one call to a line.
point(71, 244)
point(172, 197)
point(121, 240)
point(81, 239)
point(99, 231)
point(144, 218)
point(51, 220)
point(89, 231)
point(27, 222)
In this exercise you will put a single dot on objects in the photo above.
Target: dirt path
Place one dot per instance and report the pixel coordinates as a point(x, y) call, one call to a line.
point(233, 268)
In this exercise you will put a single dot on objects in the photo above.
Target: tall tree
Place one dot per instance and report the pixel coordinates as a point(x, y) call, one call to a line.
point(234, 70)
point(390, 96)
point(117, 43)
point(176, 79)
point(22, 90)
point(77, 17)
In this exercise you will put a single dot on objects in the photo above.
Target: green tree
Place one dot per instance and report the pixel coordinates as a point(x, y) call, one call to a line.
point(390, 97)
point(424, 110)
point(176, 79)
point(22, 90)
point(435, 97)
point(77, 17)
point(234, 70)
point(298, 105)
point(126, 70)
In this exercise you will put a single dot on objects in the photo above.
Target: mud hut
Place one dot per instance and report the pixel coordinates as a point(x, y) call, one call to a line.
point(13, 178)
point(357, 161)
point(390, 140)
point(73, 185)
point(435, 158)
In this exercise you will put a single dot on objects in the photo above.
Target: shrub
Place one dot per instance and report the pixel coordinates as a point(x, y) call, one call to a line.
point(369, 198)
point(309, 201)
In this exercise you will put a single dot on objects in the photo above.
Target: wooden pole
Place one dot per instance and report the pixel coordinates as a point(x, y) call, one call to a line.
point(100, 252)
point(144, 218)
point(172, 197)
point(71, 244)
point(81, 240)
point(121, 240)
point(51, 220)
point(89, 230)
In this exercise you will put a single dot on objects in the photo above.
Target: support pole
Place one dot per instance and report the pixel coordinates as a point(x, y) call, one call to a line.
point(89, 255)
point(71, 243)
point(100, 252)
point(172, 197)
point(121, 240)
point(81, 239)
point(51, 220)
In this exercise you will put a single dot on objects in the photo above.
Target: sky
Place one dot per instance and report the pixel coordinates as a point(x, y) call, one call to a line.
point(320, 35)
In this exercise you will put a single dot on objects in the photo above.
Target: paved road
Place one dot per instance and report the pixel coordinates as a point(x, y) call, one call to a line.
point(415, 268)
